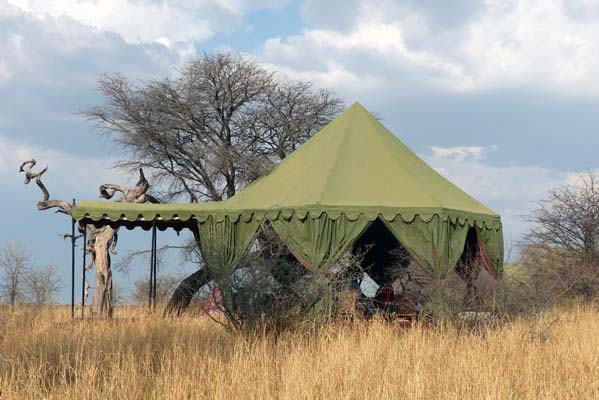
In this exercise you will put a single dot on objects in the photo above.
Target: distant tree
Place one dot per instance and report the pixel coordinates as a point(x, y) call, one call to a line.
point(165, 285)
point(560, 253)
point(566, 222)
point(117, 295)
point(14, 266)
point(42, 285)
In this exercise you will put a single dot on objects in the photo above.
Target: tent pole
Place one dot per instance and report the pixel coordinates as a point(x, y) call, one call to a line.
point(83, 272)
point(151, 269)
point(73, 266)
point(155, 236)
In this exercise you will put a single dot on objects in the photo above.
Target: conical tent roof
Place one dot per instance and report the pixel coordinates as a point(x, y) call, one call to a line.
point(356, 164)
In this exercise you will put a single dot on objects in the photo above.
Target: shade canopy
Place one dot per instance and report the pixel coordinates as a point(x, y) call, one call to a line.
point(323, 196)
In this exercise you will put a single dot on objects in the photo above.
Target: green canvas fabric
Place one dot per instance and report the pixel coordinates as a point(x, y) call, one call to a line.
point(114, 211)
point(492, 240)
point(356, 163)
point(223, 244)
point(319, 242)
point(352, 170)
point(354, 166)
point(436, 245)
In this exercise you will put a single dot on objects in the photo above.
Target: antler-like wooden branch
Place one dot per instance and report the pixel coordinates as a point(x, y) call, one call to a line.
point(108, 190)
point(46, 203)
point(136, 194)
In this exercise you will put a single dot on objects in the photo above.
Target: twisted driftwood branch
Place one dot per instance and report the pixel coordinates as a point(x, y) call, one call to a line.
point(101, 241)
point(46, 203)
point(136, 194)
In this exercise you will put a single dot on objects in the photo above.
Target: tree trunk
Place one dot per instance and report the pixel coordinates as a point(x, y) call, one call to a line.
point(183, 294)
point(103, 294)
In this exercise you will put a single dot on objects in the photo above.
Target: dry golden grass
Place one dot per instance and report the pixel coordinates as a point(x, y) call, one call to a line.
point(45, 355)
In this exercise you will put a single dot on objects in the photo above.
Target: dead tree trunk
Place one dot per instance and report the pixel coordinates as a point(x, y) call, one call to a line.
point(183, 294)
point(101, 241)
point(103, 293)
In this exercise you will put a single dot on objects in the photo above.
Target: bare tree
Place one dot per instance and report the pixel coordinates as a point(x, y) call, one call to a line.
point(42, 285)
point(165, 285)
point(117, 295)
point(559, 256)
point(567, 221)
point(220, 123)
point(14, 265)
point(101, 241)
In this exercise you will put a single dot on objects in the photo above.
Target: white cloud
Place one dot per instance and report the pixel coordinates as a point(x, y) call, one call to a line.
point(510, 190)
point(531, 42)
point(49, 68)
point(374, 54)
point(521, 184)
point(546, 44)
point(28, 45)
point(67, 172)
point(149, 20)
point(462, 153)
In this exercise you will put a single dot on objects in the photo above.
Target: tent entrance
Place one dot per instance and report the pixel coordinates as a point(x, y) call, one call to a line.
point(472, 262)
point(471, 249)
point(380, 253)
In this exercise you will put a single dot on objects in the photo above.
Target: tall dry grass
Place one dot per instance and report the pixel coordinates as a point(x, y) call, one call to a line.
point(45, 355)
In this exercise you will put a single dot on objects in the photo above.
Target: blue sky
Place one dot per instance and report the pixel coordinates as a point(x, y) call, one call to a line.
point(500, 96)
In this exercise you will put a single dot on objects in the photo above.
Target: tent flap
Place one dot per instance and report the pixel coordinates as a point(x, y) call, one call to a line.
point(492, 239)
point(223, 244)
point(436, 245)
point(319, 242)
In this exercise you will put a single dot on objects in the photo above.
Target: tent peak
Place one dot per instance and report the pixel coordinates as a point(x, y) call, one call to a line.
point(356, 104)
point(355, 162)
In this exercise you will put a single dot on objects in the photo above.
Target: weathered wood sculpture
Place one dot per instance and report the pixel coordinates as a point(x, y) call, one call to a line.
point(101, 241)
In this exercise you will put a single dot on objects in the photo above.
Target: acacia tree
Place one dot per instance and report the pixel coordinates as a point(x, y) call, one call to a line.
point(567, 221)
point(220, 123)
point(100, 241)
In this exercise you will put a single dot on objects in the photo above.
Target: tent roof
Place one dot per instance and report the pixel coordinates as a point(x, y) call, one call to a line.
point(353, 166)
point(356, 163)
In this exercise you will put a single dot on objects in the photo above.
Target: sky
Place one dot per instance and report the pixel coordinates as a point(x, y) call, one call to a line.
point(500, 96)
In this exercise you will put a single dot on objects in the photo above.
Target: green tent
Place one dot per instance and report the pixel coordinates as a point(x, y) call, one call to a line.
point(324, 196)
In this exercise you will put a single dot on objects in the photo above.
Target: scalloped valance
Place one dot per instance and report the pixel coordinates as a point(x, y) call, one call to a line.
point(97, 211)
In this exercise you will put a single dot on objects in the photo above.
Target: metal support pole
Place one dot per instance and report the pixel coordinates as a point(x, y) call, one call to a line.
point(83, 272)
point(73, 266)
point(152, 255)
point(155, 264)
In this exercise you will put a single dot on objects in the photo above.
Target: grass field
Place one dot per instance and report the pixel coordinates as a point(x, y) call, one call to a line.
point(45, 355)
